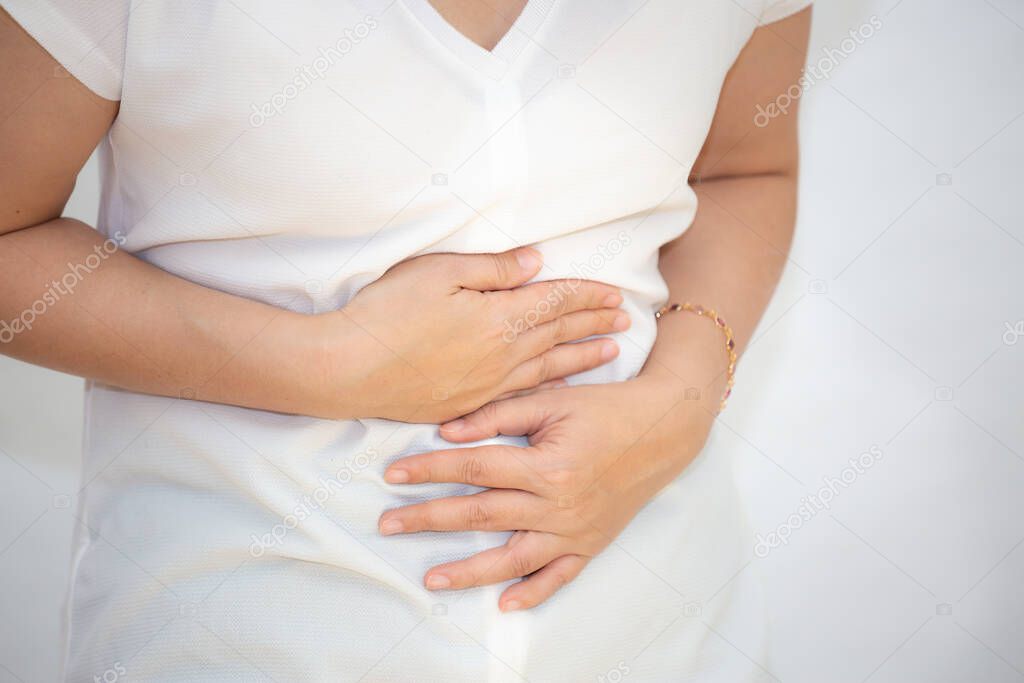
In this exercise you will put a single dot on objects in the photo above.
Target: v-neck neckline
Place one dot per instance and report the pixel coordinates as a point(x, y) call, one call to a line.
point(496, 61)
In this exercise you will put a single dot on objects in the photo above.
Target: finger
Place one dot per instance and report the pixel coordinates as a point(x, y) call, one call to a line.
point(542, 584)
point(488, 272)
point(505, 467)
point(514, 417)
point(542, 302)
point(562, 361)
point(525, 552)
point(573, 327)
point(492, 510)
point(546, 386)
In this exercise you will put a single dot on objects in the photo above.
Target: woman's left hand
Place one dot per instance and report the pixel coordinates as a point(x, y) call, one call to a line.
point(596, 455)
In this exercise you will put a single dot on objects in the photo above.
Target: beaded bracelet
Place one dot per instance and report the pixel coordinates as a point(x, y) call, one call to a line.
point(730, 342)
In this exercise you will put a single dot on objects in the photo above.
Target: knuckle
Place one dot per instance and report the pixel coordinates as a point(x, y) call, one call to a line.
point(561, 480)
point(559, 330)
point(542, 369)
point(582, 293)
point(478, 514)
point(521, 563)
point(560, 579)
point(487, 415)
point(562, 297)
point(472, 470)
point(501, 267)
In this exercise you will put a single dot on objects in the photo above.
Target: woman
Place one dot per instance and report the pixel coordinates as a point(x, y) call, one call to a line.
point(319, 228)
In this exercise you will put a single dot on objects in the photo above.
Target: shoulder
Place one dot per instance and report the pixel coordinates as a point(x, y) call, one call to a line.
point(86, 37)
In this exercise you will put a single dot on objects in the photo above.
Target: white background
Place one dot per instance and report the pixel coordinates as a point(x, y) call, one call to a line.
point(889, 330)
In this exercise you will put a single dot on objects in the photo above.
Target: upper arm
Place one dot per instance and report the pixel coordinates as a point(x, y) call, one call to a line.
point(49, 125)
point(742, 142)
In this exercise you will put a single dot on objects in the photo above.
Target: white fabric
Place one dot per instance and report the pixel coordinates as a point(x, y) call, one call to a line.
point(388, 134)
point(87, 37)
point(780, 9)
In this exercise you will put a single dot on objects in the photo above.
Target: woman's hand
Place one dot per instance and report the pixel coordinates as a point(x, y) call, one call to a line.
point(597, 454)
point(440, 335)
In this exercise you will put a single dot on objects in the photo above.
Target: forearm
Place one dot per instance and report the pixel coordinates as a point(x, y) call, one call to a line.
point(730, 259)
point(74, 304)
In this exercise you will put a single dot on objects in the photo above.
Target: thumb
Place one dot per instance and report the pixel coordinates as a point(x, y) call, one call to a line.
point(487, 272)
point(511, 417)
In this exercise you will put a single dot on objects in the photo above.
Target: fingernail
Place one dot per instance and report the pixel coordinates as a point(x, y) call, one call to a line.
point(390, 526)
point(529, 260)
point(612, 300)
point(438, 581)
point(609, 350)
point(621, 322)
point(396, 476)
point(454, 426)
point(511, 606)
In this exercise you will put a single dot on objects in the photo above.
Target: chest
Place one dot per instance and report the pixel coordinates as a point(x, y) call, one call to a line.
point(484, 23)
point(264, 117)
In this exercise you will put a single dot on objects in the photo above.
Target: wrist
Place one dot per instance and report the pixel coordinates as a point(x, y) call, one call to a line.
point(332, 369)
point(683, 421)
point(689, 362)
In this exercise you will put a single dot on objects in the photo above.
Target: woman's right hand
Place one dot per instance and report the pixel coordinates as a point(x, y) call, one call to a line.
point(440, 335)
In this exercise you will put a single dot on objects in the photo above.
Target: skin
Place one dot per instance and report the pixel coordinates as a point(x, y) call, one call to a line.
point(597, 454)
point(131, 325)
point(485, 22)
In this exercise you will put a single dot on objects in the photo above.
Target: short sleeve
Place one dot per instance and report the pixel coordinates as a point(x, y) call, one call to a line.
point(87, 37)
point(780, 9)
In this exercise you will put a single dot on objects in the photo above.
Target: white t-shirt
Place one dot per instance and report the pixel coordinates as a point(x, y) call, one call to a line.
point(291, 153)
